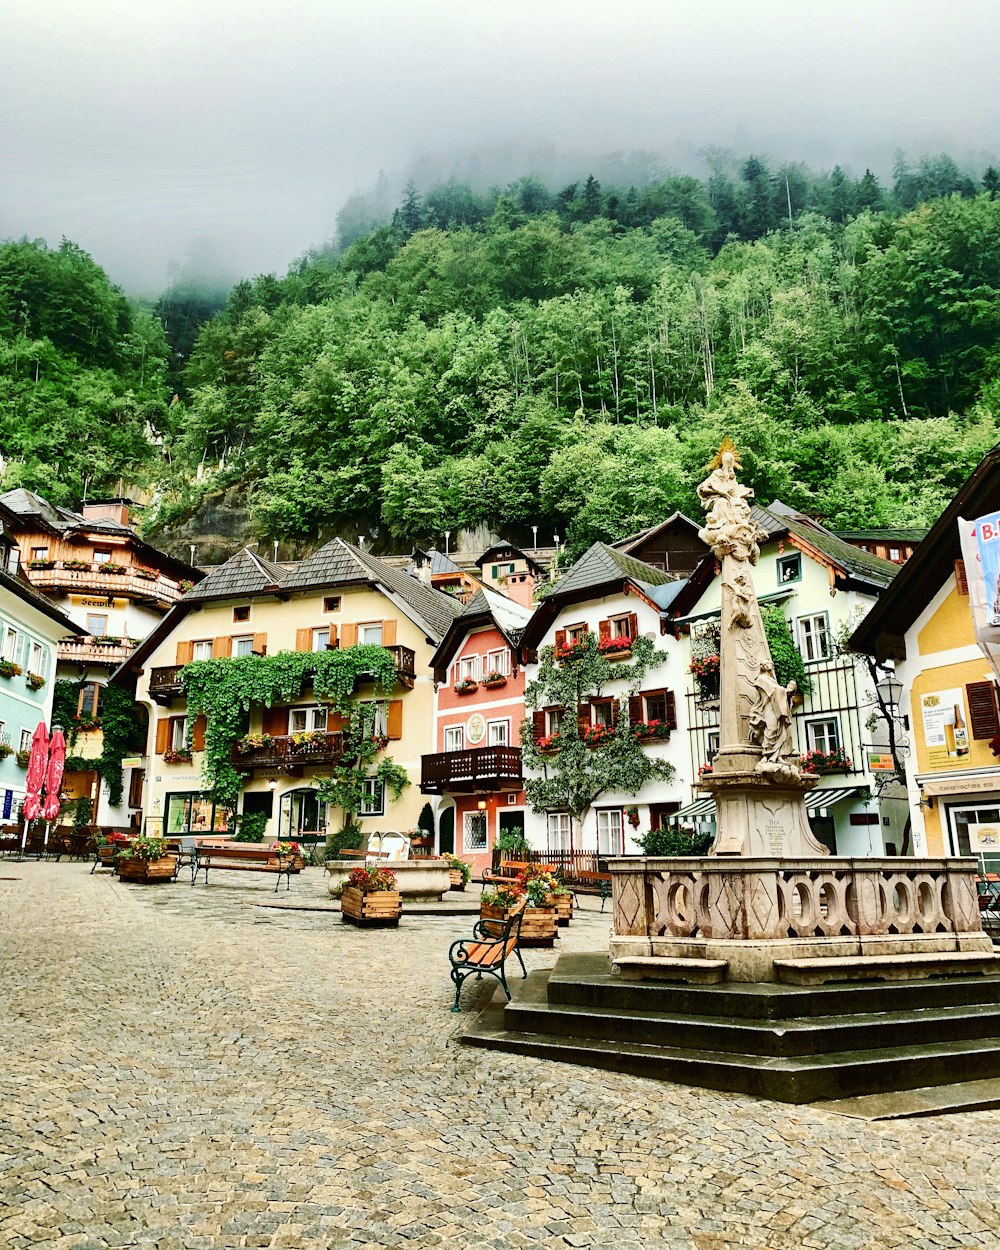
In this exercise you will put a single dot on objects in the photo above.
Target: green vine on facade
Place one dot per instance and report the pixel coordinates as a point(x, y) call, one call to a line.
point(224, 691)
point(123, 733)
point(787, 659)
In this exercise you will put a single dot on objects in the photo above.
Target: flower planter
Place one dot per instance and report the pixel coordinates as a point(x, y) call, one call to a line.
point(617, 653)
point(147, 870)
point(378, 909)
point(495, 683)
point(456, 879)
point(538, 927)
point(563, 903)
point(467, 687)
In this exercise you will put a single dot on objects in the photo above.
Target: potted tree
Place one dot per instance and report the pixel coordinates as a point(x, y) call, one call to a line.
point(370, 898)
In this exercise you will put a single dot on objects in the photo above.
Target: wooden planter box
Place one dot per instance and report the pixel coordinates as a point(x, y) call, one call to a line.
point(455, 879)
point(382, 908)
point(147, 870)
point(563, 903)
point(538, 928)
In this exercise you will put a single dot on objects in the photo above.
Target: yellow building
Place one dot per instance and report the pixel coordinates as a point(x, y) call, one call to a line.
point(949, 703)
point(337, 598)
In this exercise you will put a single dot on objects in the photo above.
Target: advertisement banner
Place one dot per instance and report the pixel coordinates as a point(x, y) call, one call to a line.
point(980, 540)
point(985, 838)
point(879, 762)
point(946, 727)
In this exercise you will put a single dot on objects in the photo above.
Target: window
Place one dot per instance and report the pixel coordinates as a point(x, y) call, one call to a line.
point(370, 634)
point(814, 637)
point(498, 662)
point(201, 650)
point(496, 572)
point(468, 668)
point(241, 615)
point(621, 627)
point(3, 733)
point(178, 733)
point(135, 783)
point(712, 743)
point(497, 733)
point(603, 713)
point(301, 719)
point(102, 555)
point(554, 719)
point(193, 813)
point(575, 633)
point(39, 659)
point(789, 569)
point(39, 553)
point(88, 703)
point(557, 829)
point(243, 646)
point(894, 554)
point(25, 740)
point(10, 643)
point(372, 798)
point(331, 603)
point(301, 811)
point(474, 831)
point(321, 638)
point(376, 717)
point(823, 735)
point(609, 832)
point(454, 738)
point(96, 624)
point(655, 705)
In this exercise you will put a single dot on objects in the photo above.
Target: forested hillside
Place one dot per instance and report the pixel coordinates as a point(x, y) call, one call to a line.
point(566, 358)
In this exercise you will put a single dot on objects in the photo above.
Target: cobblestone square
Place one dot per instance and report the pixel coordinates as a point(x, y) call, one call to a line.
point(186, 1069)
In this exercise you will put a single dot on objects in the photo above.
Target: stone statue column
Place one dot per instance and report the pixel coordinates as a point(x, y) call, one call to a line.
point(756, 778)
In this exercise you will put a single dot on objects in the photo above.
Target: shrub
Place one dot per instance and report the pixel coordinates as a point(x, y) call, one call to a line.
point(251, 827)
point(666, 841)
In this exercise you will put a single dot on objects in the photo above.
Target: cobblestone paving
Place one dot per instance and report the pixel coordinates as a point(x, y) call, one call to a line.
point(181, 1069)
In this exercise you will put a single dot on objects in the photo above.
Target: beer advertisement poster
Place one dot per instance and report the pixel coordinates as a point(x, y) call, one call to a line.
point(946, 732)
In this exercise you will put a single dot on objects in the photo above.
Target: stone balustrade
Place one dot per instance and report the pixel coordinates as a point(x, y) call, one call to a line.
point(772, 899)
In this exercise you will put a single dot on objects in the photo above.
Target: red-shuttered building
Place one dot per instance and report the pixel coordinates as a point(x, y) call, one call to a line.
point(475, 769)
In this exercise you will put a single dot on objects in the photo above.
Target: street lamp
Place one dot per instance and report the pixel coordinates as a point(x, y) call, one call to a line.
point(890, 690)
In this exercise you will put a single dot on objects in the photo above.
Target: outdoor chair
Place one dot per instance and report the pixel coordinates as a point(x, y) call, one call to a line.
point(486, 952)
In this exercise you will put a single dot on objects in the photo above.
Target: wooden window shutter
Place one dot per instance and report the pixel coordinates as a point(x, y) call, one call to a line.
point(260, 644)
point(335, 722)
point(275, 721)
point(603, 630)
point(222, 648)
point(961, 581)
point(983, 718)
point(616, 709)
point(162, 734)
point(394, 719)
point(389, 633)
point(582, 717)
point(198, 734)
point(304, 639)
point(333, 634)
point(560, 638)
point(537, 725)
point(135, 785)
point(349, 635)
point(184, 652)
point(635, 708)
point(671, 704)
point(633, 625)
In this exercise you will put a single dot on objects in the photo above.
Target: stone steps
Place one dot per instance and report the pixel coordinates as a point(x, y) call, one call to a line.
point(884, 967)
point(960, 1097)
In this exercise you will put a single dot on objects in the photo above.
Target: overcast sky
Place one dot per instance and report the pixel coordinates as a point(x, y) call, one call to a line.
point(136, 127)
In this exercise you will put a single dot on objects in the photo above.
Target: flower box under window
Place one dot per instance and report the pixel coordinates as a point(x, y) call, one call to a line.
point(836, 761)
point(466, 686)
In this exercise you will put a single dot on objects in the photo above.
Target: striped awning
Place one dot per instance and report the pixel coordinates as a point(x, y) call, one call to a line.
point(816, 800)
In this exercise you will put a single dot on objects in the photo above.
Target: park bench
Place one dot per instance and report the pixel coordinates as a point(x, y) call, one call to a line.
point(241, 858)
point(601, 881)
point(509, 870)
point(486, 952)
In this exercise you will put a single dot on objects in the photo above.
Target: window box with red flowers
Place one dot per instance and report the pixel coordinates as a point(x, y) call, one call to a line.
point(705, 770)
point(549, 744)
point(568, 651)
point(181, 756)
point(77, 566)
point(493, 681)
point(706, 673)
point(109, 566)
point(184, 585)
point(9, 669)
point(147, 575)
point(22, 758)
point(651, 730)
point(597, 735)
point(836, 761)
point(615, 648)
point(41, 564)
point(466, 686)
point(34, 681)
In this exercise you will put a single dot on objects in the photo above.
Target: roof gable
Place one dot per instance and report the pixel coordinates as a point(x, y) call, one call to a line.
point(245, 573)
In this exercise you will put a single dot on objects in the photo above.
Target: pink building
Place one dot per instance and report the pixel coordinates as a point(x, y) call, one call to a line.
point(476, 767)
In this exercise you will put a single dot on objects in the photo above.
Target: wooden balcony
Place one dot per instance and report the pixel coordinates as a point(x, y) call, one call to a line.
point(86, 651)
point(91, 581)
point(285, 754)
point(164, 683)
point(462, 772)
point(404, 659)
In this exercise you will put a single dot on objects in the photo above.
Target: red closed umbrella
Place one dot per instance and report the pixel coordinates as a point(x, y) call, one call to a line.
point(37, 767)
point(54, 774)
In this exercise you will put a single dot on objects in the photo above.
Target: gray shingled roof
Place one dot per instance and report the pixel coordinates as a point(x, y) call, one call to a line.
point(601, 564)
point(436, 609)
point(860, 564)
point(27, 503)
point(245, 573)
point(904, 535)
point(10, 583)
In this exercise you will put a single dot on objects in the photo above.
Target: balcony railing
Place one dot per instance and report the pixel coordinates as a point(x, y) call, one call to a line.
point(404, 659)
point(164, 683)
point(92, 581)
point(284, 752)
point(482, 768)
point(91, 651)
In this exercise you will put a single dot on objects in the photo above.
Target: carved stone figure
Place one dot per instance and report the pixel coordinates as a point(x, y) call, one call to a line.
point(729, 527)
point(771, 716)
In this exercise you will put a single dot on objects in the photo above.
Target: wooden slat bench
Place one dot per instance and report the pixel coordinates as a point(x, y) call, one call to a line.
point(486, 952)
point(234, 858)
point(601, 881)
point(509, 870)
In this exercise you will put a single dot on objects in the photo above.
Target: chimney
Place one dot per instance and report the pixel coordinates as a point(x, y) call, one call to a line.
point(116, 510)
point(521, 588)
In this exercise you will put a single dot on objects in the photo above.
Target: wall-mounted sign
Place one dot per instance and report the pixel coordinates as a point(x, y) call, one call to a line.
point(880, 763)
point(946, 731)
point(475, 729)
point(132, 761)
point(985, 838)
point(108, 602)
point(8, 803)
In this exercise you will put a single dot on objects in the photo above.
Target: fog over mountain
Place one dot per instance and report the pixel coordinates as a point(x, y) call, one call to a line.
point(224, 136)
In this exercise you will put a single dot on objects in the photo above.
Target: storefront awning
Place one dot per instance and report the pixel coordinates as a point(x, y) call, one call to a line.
point(816, 800)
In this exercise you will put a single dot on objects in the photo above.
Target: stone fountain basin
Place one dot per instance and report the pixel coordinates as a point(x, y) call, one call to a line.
point(418, 880)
